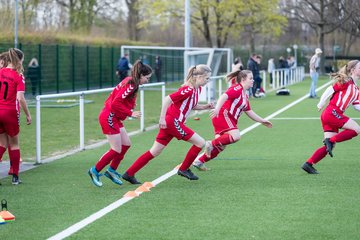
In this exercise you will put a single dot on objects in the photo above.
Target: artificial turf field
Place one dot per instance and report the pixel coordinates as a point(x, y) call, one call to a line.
point(254, 190)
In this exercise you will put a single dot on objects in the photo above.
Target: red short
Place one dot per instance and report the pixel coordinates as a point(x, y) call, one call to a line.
point(110, 124)
point(174, 128)
point(332, 119)
point(9, 122)
point(223, 123)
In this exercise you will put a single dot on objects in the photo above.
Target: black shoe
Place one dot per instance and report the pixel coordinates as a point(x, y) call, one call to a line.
point(188, 174)
point(329, 146)
point(309, 168)
point(130, 179)
point(15, 180)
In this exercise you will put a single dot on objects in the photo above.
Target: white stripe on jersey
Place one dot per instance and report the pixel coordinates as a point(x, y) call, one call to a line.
point(239, 108)
point(347, 97)
point(228, 121)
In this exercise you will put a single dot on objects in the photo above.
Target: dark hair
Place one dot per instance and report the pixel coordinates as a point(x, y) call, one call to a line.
point(139, 69)
point(238, 74)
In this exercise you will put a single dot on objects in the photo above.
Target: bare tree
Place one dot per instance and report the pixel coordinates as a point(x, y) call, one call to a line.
point(323, 16)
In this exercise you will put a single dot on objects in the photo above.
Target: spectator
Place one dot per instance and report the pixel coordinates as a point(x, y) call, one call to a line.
point(33, 73)
point(271, 69)
point(314, 66)
point(123, 66)
point(237, 64)
point(253, 66)
point(158, 66)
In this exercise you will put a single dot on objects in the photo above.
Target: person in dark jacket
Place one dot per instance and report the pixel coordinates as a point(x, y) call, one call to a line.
point(123, 66)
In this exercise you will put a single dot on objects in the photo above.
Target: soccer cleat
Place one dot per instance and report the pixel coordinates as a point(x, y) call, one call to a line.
point(15, 180)
point(130, 179)
point(308, 167)
point(95, 177)
point(188, 174)
point(329, 146)
point(113, 176)
point(208, 148)
point(200, 165)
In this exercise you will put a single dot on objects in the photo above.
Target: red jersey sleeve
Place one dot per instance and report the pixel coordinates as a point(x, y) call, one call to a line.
point(234, 91)
point(123, 102)
point(338, 87)
point(21, 83)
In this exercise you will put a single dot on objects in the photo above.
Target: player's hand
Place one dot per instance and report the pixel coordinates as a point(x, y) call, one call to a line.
point(266, 123)
point(162, 123)
point(28, 120)
point(136, 114)
point(211, 105)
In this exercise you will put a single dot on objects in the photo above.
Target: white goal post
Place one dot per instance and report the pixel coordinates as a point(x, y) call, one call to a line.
point(218, 59)
point(81, 95)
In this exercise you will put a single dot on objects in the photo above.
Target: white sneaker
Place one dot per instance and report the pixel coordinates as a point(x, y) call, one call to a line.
point(200, 165)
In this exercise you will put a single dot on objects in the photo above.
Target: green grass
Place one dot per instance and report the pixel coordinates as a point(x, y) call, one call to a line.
point(255, 189)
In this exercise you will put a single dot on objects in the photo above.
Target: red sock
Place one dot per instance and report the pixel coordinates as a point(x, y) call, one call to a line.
point(343, 136)
point(213, 155)
point(223, 140)
point(139, 163)
point(105, 159)
point(190, 157)
point(319, 154)
point(15, 160)
point(2, 150)
point(120, 156)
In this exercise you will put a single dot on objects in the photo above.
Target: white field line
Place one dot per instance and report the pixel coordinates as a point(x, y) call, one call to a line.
point(306, 118)
point(92, 218)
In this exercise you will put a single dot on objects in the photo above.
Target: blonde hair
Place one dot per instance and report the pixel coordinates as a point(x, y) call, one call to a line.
point(196, 70)
point(15, 58)
point(4, 59)
point(238, 74)
point(343, 75)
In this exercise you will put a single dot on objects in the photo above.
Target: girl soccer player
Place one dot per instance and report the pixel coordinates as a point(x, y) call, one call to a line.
point(343, 92)
point(226, 114)
point(12, 88)
point(175, 109)
point(118, 107)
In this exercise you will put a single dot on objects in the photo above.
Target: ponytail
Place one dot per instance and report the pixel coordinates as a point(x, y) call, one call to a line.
point(16, 57)
point(343, 75)
point(238, 74)
point(139, 69)
point(196, 70)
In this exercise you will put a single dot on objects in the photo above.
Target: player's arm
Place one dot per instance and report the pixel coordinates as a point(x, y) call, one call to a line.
point(167, 102)
point(215, 112)
point(21, 98)
point(252, 115)
point(204, 106)
point(327, 93)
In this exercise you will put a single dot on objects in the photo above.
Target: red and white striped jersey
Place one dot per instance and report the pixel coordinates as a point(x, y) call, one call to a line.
point(11, 82)
point(344, 95)
point(121, 100)
point(236, 103)
point(183, 101)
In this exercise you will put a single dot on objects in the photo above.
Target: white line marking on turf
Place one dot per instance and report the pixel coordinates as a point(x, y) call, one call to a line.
point(306, 118)
point(92, 218)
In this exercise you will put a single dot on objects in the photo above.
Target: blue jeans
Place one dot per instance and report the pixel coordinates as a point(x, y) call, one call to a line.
point(314, 80)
